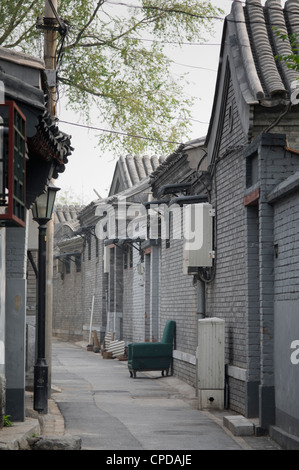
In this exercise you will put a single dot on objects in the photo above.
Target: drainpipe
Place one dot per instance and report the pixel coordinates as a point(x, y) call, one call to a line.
point(200, 313)
point(201, 299)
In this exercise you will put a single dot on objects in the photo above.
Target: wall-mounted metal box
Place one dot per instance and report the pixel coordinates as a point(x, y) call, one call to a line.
point(198, 236)
point(211, 363)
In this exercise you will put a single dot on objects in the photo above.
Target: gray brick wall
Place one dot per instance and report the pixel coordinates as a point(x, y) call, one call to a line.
point(264, 117)
point(286, 297)
point(178, 302)
point(138, 294)
point(31, 285)
point(16, 259)
point(134, 300)
point(286, 237)
point(155, 275)
point(226, 296)
point(128, 319)
point(68, 304)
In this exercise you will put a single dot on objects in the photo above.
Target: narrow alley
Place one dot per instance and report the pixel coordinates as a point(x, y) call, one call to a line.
point(108, 410)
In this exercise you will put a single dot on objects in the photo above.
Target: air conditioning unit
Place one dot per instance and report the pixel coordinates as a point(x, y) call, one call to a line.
point(198, 236)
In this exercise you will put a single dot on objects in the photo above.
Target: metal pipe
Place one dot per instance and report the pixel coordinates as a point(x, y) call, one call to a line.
point(41, 367)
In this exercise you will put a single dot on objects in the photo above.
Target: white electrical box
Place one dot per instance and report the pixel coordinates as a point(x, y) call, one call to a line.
point(211, 363)
point(198, 236)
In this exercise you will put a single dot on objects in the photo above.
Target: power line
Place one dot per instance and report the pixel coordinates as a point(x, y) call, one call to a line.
point(175, 42)
point(212, 17)
point(119, 133)
point(194, 66)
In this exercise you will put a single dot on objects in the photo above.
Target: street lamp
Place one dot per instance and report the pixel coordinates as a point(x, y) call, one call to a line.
point(42, 210)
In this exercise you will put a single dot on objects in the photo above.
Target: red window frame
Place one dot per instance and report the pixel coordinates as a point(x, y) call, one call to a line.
point(13, 196)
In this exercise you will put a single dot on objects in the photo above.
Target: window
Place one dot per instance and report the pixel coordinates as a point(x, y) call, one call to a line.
point(12, 165)
point(252, 172)
point(128, 257)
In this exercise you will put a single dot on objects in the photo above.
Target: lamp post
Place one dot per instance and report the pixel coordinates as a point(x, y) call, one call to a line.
point(42, 210)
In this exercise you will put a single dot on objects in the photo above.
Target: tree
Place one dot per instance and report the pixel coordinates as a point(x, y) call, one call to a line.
point(113, 59)
point(68, 197)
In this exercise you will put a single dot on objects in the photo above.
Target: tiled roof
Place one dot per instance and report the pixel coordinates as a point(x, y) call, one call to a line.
point(255, 44)
point(135, 168)
point(168, 162)
point(66, 223)
point(173, 158)
point(67, 214)
point(131, 170)
point(21, 59)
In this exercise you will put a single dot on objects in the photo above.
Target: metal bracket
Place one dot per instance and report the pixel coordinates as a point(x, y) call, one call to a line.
point(51, 77)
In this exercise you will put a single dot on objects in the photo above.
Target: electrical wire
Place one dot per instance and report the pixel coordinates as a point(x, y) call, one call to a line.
point(62, 26)
point(193, 66)
point(165, 42)
point(119, 133)
point(207, 17)
point(175, 42)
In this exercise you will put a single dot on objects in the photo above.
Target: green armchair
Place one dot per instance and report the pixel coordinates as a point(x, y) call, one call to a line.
point(153, 356)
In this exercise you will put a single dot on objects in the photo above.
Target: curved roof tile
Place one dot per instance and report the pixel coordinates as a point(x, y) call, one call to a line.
point(282, 48)
point(257, 44)
point(291, 9)
point(136, 168)
point(246, 52)
point(263, 49)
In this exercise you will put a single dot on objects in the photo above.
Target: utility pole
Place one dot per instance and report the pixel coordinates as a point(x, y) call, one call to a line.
point(50, 45)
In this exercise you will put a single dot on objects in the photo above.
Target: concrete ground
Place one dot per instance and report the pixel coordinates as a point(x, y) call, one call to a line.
point(95, 405)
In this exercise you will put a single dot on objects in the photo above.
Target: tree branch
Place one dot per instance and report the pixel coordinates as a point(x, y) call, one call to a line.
point(20, 38)
point(143, 22)
point(91, 19)
point(14, 24)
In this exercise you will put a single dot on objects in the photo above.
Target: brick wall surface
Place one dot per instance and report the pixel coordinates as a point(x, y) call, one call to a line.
point(16, 260)
point(138, 306)
point(286, 326)
point(226, 296)
point(74, 292)
point(286, 224)
point(128, 320)
point(92, 279)
point(178, 302)
point(67, 305)
point(31, 285)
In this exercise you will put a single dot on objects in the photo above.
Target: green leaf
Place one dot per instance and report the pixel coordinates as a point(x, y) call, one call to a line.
point(107, 63)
